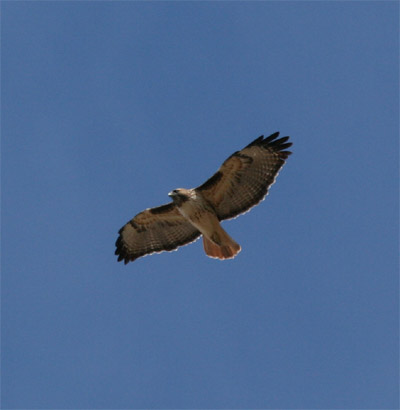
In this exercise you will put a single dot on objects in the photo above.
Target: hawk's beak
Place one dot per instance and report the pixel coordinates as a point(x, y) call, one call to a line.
point(171, 194)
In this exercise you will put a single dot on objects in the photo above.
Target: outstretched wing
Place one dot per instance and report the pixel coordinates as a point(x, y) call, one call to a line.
point(244, 178)
point(154, 230)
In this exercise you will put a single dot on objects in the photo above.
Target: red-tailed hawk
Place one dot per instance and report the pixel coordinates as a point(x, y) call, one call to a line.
point(241, 183)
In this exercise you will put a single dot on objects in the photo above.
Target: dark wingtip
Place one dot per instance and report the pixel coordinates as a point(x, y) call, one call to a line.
point(123, 252)
point(270, 138)
point(284, 154)
point(120, 250)
point(257, 141)
point(124, 256)
point(277, 145)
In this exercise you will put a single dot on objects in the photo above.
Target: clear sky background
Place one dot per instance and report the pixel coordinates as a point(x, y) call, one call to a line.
point(106, 107)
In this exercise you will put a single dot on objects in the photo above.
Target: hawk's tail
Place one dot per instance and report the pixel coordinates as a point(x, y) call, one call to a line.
point(221, 245)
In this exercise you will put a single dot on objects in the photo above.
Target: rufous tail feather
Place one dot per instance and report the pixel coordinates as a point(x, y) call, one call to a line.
point(221, 246)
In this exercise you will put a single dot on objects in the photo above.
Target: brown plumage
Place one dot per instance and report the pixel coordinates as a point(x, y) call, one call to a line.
point(241, 182)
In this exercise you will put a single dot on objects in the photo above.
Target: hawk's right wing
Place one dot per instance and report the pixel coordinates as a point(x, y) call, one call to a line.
point(244, 178)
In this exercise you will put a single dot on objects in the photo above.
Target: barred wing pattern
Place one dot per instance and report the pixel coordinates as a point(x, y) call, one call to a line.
point(154, 230)
point(244, 178)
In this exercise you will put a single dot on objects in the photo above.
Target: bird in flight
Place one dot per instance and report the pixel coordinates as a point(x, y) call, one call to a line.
point(241, 182)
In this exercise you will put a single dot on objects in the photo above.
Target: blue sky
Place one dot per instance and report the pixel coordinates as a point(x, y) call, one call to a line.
point(106, 107)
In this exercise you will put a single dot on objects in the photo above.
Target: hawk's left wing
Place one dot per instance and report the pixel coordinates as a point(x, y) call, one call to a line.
point(154, 230)
point(244, 178)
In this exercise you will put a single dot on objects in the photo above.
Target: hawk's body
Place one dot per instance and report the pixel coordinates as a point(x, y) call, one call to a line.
point(241, 183)
point(195, 208)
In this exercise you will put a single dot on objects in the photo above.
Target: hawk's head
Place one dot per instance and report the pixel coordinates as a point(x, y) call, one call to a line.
point(180, 195)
